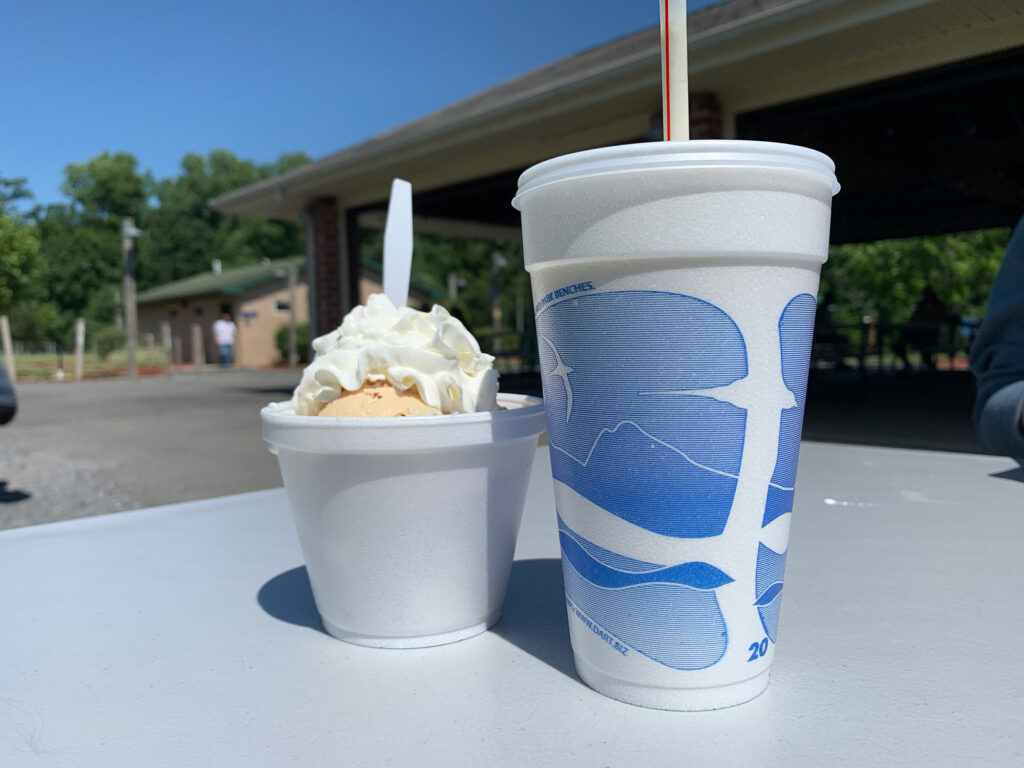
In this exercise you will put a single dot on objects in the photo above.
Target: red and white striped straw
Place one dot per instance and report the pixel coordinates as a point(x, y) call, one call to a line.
point(675, 97)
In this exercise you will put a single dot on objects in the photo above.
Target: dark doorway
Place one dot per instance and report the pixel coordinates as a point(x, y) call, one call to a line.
point(934, 152)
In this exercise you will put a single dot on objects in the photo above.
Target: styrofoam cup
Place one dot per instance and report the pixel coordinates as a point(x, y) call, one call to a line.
point(407, 525)
point(675, 287)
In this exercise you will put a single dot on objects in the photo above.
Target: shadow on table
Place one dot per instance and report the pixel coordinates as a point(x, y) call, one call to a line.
point(1011, 474)
point(534, 617)
point(8, 496)
point(289, 597)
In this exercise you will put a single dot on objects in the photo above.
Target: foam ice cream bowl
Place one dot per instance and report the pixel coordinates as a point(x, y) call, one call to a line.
point(407, 525)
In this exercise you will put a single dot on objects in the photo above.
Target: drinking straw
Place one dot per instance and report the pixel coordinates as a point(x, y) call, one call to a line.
point(675, 100)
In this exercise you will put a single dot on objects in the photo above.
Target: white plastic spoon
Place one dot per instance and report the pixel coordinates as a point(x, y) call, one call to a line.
point(398, 243)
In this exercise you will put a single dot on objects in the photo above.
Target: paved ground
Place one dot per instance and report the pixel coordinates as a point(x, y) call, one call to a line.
point(919, 410)
point(104, 446)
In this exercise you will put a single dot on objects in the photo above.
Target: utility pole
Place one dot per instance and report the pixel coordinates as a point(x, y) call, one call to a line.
point(5, 340)
point(293, 351)
point(118, 308)
point(129, 234)
point(79, 348)
point(292, 274)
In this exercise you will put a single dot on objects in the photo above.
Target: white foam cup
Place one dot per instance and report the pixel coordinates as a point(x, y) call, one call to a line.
point(407, 525)
point(675, 290)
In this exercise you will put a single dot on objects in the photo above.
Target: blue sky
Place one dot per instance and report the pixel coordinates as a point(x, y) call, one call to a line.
point(261, 78)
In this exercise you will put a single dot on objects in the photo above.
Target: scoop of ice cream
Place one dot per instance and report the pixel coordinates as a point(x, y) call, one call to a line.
point(430, 354)
point(379, 399)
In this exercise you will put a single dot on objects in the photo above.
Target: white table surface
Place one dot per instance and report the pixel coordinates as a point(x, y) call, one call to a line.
point(186, 636)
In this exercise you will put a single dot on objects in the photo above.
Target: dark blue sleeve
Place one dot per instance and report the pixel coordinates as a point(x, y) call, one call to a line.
point(8, 398)
point(997, 357)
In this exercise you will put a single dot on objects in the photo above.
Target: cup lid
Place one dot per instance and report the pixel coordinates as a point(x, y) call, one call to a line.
point(656, 155)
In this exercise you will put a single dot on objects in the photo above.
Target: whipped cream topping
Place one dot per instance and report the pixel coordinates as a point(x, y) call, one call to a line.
point(431, 353)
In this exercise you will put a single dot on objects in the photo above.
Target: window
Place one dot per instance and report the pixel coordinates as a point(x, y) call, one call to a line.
point(282, 307)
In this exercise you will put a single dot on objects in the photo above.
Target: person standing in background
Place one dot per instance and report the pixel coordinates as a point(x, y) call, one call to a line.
point(224, 331)
point(997, 358)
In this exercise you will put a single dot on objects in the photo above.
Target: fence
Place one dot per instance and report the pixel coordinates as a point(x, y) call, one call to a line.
point(44, 359)
point(513, 352)
point(872, 347)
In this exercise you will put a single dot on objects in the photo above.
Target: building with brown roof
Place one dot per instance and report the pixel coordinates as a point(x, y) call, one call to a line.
point(257, 298)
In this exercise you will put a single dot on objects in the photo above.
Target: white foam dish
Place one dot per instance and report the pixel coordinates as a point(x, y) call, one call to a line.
point(407, 525)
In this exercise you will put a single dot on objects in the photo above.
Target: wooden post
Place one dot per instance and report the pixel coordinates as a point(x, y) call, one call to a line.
point(166, 344)
point(131, 318)
point(198, 351)
point(293, 351)
point(5, 339)
point(118, 308)
point(79, 348)
point(497, 262)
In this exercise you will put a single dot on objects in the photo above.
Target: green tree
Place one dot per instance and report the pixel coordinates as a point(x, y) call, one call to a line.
point(12, 190)
point(19, 246)
point(35, 320)
point(472, 261)
point(106, 187)
point(885, 279)
point(79, 266)
point(76, 268)
point(18, 251)
point(183, 234)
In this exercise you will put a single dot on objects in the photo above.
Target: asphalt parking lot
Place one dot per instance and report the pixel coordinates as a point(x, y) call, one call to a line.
point(89, 448)
point(94, 447)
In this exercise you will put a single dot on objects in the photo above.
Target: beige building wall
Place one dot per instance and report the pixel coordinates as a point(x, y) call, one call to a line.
point(258, 318)
point(257, 313)
point(182, 313)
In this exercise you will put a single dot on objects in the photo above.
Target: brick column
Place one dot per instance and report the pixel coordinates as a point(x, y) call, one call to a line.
point(325, 301)
point(705, 116)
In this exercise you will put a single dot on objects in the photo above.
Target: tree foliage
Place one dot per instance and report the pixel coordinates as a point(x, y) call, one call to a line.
point(183, 234)
point(106, 187)
point(75, 270)
point(18, 249)
point(301, 341)
point(78, 269)
point(885, 279)
point(472, 263)
point(11, 191)
point(62, 261)
point(19, 244)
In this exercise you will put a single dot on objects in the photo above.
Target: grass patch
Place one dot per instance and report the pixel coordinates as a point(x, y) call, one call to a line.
point(43, 366)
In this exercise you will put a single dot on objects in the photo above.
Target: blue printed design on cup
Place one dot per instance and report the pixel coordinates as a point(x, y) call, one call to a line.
point(667, 613)
point(771, 566)
point(633, 423)
point(796, 328)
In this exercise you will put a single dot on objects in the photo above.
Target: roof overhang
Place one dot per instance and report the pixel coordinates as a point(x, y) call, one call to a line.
point(751, 54)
